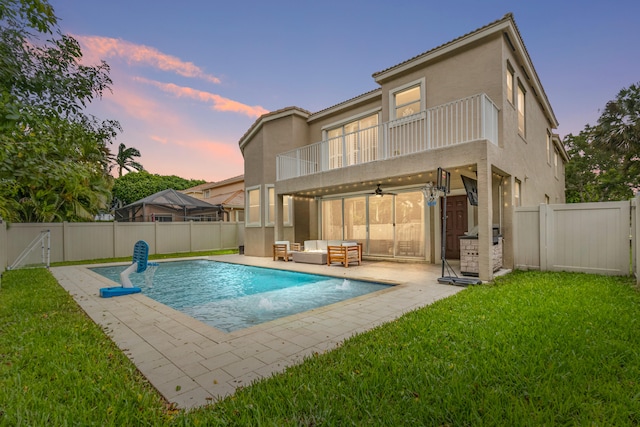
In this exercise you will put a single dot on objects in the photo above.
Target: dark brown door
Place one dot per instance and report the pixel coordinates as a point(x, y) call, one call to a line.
point(456, 224)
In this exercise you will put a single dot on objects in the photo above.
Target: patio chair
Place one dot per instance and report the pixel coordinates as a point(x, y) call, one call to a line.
point(343, 255)
point(282, 249)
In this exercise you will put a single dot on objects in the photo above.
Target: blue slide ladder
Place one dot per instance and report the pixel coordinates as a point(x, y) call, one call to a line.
point(139, 264)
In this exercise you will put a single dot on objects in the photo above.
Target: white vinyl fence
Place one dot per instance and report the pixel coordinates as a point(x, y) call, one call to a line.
point(96, 240)
point(596, 238)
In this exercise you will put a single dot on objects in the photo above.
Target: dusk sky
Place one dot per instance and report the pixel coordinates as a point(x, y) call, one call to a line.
point(190, 77)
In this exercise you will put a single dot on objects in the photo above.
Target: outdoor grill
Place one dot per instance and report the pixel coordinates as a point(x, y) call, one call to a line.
point(469, 251)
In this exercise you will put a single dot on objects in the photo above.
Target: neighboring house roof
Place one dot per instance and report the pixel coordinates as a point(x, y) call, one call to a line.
point(233, 199)
point(215, 184)
point(172, 199)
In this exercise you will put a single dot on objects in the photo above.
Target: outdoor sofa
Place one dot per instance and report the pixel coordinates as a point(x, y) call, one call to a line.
point(316, 251)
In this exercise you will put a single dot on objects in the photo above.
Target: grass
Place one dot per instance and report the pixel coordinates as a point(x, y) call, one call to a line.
point(532, 349)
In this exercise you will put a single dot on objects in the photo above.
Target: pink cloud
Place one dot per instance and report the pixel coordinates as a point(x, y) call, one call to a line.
point(159, 139)
point(219, 103)
point(95, 48)
point(136, 106)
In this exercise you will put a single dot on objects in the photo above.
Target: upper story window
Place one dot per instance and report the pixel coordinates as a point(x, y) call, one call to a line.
point(206, 194)
point(407, 102)
point(548, 147)
point(353, 142)
point(353, 126)
point(253, 215)
point(555, 161)
point(521, 110)
point(510, 79)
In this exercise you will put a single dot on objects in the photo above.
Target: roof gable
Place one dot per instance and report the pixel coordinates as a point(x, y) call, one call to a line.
point(507, 26)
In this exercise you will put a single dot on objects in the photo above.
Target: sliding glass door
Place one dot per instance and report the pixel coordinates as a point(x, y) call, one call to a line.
point(410, 223)
point(388, 226)
point(381, 226)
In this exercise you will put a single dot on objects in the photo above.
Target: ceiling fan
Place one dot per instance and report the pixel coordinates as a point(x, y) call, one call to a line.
point(379, 193)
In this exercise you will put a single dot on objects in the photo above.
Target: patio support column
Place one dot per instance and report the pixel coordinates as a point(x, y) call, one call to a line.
point(485, 220)
point(279, 224)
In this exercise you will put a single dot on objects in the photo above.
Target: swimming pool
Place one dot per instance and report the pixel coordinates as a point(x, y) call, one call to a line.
point(233, 296)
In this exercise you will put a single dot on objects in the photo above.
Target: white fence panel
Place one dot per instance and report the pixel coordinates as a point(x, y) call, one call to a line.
point(582, 237)
point(588, 237)
point(126, 234)
point(173, 237)
point(527, 238)
point(98, 240)
point(88, 240)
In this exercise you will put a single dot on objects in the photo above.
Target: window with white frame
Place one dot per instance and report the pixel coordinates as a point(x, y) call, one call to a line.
point(206, 194)
point(517, 201)
point(270, 212)
point(521, 110)
point(356, 139)
point(510, 79)
point(253, 214)
point(407, 102)
point(287, 206)
point(555, 162)
point(548, 147)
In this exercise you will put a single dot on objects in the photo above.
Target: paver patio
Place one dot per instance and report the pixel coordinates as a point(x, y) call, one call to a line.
point(191, 363)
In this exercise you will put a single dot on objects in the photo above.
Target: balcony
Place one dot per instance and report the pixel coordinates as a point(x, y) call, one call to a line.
point(464, 120)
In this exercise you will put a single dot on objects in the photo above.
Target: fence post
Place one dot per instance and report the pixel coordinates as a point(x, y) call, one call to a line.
point(190, 235)
point(543, 213)
point(4, 246)
point(114, 226)
point(66, 240)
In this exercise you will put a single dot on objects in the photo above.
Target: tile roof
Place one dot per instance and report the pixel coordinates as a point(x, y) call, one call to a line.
point(504, 18)
point(214, 184)
point(266, 116)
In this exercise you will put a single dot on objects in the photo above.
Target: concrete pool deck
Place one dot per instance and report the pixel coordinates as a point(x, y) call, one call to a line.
point(192, 364)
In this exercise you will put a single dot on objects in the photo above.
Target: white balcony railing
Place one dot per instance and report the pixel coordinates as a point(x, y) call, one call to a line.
point(457, 122)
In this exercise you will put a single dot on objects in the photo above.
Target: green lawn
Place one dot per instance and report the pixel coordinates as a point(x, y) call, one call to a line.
point(532, 349)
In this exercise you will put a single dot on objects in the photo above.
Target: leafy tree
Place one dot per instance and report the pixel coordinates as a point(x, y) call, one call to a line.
point(618, 130)
point(124, 159)
point(592, 174)
point(53, 156)
point(605, 162)
point(138, 185)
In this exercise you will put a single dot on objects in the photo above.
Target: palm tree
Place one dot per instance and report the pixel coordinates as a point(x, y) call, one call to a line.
point(125, 161)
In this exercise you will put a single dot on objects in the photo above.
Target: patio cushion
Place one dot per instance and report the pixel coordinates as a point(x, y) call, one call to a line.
point(283, 242)
point(310, 245)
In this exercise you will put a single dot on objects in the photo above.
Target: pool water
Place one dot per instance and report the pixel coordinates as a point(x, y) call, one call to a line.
point(233, 296)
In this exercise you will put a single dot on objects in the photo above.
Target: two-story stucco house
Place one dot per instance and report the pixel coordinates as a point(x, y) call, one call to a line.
point(474, 107)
